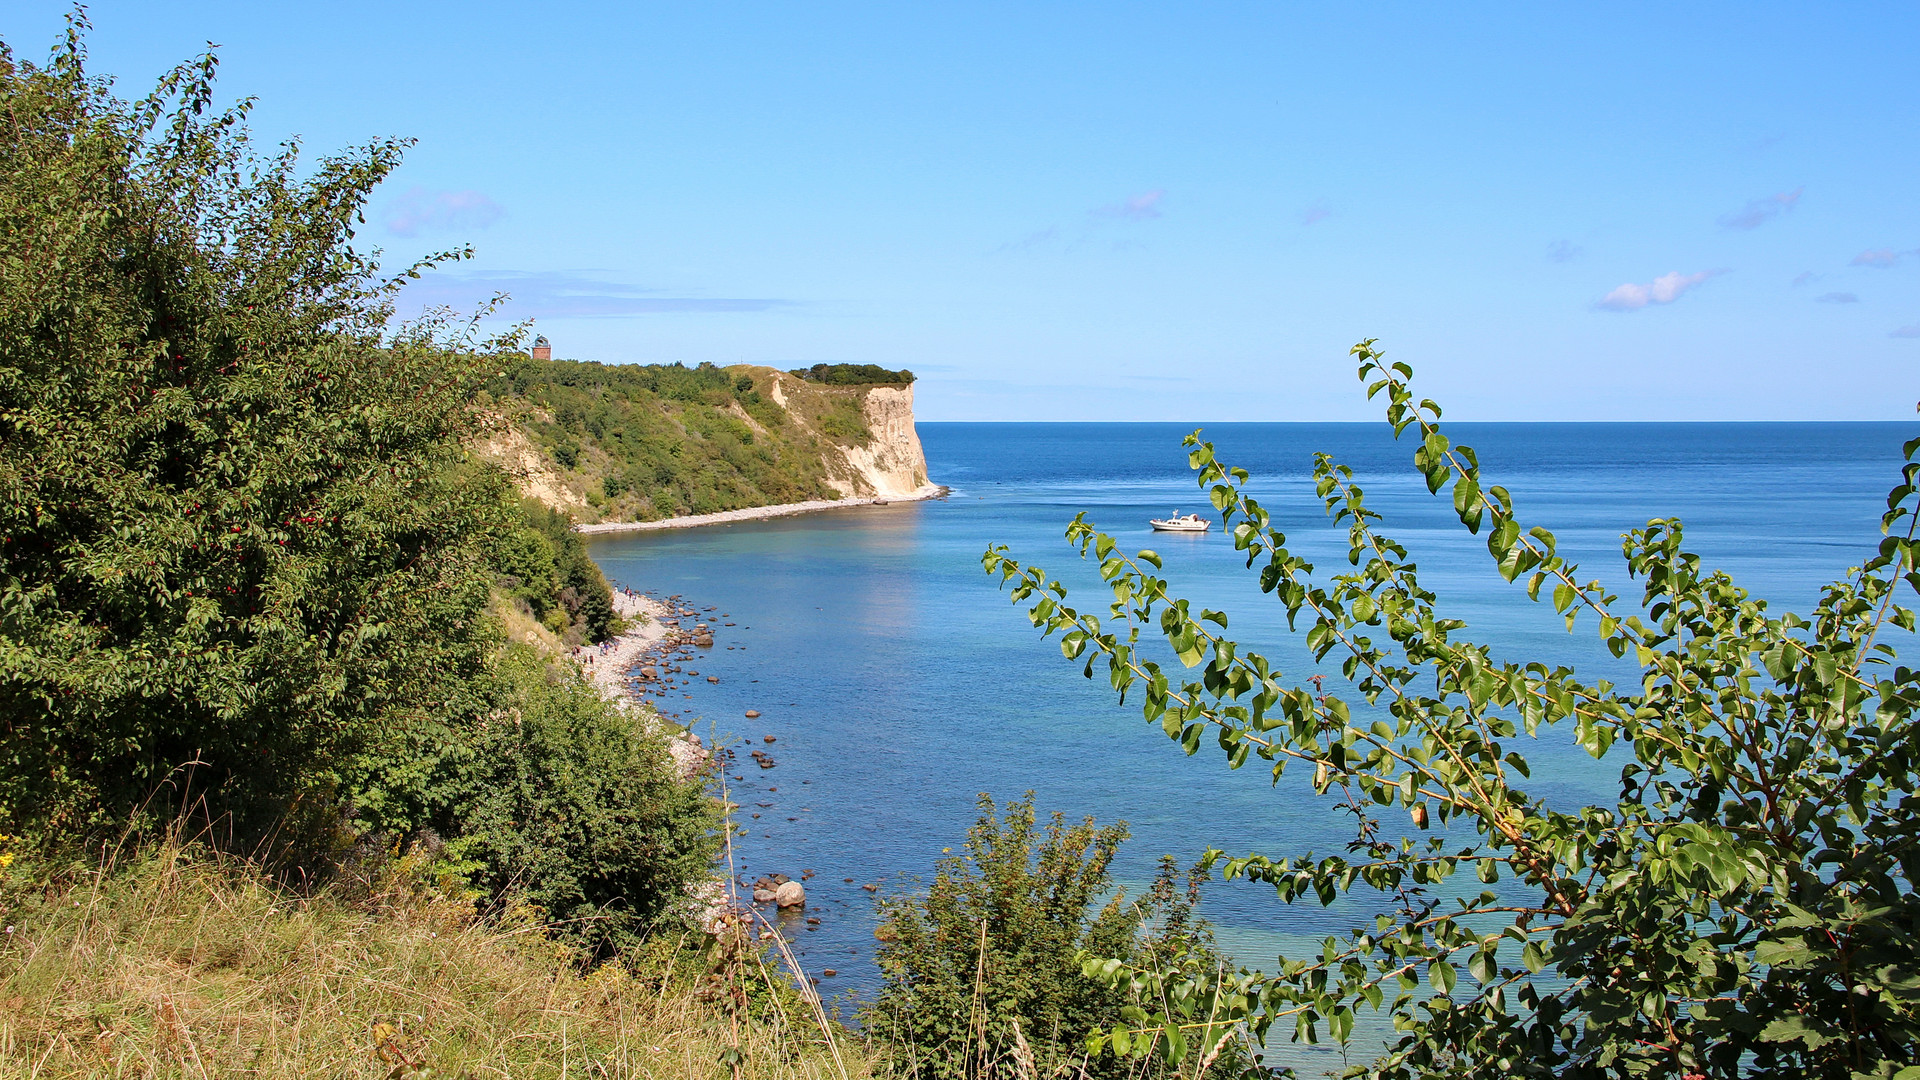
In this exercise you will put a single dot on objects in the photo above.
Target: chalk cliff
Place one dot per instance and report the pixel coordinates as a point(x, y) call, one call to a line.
point(889, 463)
point(614, 446)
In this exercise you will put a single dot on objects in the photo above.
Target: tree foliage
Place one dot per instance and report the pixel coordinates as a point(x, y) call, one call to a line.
point(241, 527)
point(853, 374)
point(980, 973)
point(545, 565)
point(1745, 907)
point(235, 517)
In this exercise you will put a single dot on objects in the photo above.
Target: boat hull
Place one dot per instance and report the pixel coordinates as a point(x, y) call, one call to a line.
point(1171, 526)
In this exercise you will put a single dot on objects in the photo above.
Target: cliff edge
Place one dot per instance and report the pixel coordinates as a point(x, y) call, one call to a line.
point(616, 445)
point(889, 462)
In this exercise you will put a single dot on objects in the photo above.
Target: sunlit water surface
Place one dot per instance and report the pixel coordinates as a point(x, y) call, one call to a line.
point(899, 683)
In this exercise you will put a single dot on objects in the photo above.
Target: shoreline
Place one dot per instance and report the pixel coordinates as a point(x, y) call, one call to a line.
point(610, 666)
point(759, 513)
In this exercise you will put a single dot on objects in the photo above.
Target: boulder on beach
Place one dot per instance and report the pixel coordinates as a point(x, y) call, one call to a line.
point(791, 894)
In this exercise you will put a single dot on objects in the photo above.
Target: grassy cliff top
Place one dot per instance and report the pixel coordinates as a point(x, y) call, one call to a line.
point(628, 442)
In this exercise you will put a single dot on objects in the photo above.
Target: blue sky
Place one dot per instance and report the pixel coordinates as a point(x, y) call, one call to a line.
point(1132, 212)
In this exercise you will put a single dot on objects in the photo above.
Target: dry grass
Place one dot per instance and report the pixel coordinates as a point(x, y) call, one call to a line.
point(176, 963)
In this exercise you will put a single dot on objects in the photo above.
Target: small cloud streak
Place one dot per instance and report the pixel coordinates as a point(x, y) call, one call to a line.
point(1562, 251)
point(1803, 277)
point(1664, 289)
point(1760, 211)
point(418, 210)
point(1878, 258)
point(564, 295)
point(1029, 242)
point(1838, 298)
point(1911, 330)
point(1316, 213)
point(1143, 207)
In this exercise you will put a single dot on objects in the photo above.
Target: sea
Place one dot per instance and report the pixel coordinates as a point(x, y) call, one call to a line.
point(900, 685)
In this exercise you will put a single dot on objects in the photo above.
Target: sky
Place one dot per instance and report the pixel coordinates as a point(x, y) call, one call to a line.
point(1113, 211)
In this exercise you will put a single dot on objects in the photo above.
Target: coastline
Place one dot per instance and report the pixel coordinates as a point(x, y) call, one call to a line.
point(760, 513)
point(610, 666)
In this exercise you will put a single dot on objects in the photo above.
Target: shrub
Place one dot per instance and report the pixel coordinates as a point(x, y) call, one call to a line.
point(578, 587)
point(980, 975)
point(235, 520)
point(549, 794)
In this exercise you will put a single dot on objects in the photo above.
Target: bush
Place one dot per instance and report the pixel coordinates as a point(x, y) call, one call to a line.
point(1746, 907)
point(573, 580)
point(239, 527)
point(558, 798)
point(236, 520)
point(980, 973)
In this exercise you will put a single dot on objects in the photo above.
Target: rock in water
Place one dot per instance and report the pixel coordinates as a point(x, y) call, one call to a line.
point(753, 714)
point(761, 896)
point(791, 894)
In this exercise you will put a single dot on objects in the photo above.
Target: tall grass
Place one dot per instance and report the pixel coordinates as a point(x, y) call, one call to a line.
point(173, 961)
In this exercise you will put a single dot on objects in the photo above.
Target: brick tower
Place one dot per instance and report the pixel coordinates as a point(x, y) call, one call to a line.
point(542, 348)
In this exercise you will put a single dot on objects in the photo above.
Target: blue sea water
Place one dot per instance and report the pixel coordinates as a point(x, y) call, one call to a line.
point(900, 683)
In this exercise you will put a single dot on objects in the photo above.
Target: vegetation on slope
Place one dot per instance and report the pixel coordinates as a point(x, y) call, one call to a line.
point(644, 442)
point(247, 561)
point(171, 961)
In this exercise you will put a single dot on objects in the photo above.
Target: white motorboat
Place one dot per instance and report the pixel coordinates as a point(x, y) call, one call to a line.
point(1181, 523)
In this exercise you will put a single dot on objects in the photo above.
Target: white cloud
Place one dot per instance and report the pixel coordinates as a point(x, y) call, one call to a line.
point(418, 210)
point(1142, 207)
point(1664, 289)
point(1760, 211)
point(1878, 258)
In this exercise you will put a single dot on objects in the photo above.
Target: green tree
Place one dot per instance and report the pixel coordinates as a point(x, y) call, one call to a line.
point(236, 520)
point(1745, 908)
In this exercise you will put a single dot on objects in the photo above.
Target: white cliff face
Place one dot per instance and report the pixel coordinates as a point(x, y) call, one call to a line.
point(530, 470)
point(892, 466)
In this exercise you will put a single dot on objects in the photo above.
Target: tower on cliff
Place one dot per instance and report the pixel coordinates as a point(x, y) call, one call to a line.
point(542, 348)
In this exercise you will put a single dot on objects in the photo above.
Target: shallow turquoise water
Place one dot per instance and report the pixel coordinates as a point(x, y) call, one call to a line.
point(900, 683)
